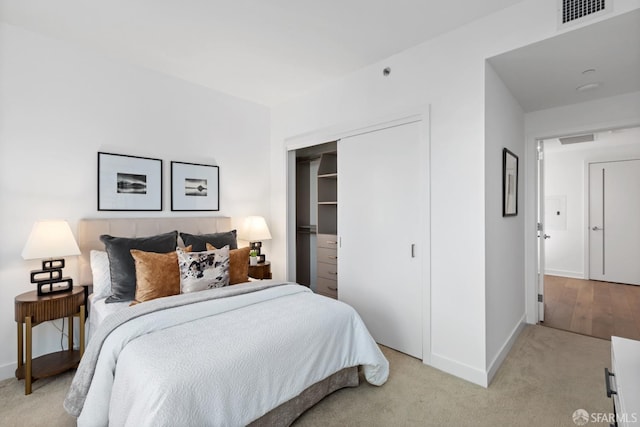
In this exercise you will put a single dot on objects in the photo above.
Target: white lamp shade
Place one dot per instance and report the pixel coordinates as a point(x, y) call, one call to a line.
point(50, 239)
point(254, 229)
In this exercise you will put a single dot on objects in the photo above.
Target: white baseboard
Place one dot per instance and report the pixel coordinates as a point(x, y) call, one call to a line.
point(460, 370)
point(7, 371)
point(504, 350)
point(474, 375)
point(564, 273)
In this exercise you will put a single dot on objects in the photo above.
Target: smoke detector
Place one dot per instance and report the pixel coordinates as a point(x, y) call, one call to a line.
point(589, 79)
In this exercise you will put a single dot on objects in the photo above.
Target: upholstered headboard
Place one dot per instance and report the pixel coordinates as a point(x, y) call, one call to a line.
point(90, 230)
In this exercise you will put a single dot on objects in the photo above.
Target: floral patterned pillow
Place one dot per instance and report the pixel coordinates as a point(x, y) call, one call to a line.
point(203, 270)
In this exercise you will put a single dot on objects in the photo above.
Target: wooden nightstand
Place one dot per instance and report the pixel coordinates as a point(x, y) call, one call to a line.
point(260, 271)
point(32, 310)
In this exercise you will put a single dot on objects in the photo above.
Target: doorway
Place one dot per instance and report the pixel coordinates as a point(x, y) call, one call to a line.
point(570, 200)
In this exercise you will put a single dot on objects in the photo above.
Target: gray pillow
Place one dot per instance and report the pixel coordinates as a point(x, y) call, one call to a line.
point(199, 242)
point(121, 263)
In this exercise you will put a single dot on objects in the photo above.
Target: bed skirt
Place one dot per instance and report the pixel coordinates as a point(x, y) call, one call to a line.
point(288, 412)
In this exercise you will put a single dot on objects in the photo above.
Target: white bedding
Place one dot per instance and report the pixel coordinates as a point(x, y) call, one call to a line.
point(99, 310)
point(226, 361)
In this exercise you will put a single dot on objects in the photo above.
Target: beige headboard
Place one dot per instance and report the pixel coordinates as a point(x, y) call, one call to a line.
point(90, 230)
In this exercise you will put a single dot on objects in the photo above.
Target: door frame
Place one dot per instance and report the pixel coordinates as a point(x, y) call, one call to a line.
point(540, 227)
point(532, 206)
point(341, 130)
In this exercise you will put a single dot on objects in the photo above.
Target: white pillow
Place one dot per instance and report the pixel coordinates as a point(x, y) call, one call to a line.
point(101, 274)
point(203, 270)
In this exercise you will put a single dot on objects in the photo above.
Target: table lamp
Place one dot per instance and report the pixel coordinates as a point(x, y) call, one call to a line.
point(50, 240)
point(254, 229)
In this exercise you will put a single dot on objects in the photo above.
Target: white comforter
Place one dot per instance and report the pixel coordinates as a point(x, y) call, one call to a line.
point(226, 362)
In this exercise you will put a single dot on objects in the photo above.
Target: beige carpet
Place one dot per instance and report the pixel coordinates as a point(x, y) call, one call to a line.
point(546, 377)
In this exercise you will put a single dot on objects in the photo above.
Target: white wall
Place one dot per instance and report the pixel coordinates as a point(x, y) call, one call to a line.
point(602, 114)
point(504, 236)
point(447, 73)
point(60, 105)
point(566, 175)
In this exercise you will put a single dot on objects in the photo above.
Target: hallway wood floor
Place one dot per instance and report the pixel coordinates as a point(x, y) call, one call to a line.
point(588, 307)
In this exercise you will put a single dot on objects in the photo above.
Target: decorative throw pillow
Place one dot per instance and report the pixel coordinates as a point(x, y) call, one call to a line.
point(238, 264)
point(101, 274)
point(122, 266)
point(203, 270)
point(157, 275)
point(219, 240)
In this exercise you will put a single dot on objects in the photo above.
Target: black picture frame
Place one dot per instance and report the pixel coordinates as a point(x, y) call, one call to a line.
point(195, 187)
point(129, 183)
point(509, 183)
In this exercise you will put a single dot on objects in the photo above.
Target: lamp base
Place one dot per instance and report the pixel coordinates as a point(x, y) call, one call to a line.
point(55, 286)
point(49, 279)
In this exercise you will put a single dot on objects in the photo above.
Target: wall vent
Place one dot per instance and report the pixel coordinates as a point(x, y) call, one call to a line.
point(572, 10)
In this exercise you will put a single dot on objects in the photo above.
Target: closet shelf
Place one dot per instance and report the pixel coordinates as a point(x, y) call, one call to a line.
point(328, 194)
point(328, 175)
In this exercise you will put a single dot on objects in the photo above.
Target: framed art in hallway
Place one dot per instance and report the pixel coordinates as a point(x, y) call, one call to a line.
point(129, 183)
point(509, 183)
point(195, 187)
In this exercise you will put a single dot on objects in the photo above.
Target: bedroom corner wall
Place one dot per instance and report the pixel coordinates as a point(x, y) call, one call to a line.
point(504, 239)
point(60, 105)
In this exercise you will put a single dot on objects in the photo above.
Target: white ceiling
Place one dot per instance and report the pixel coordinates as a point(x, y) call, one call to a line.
point(264, 51)
point(546, 74)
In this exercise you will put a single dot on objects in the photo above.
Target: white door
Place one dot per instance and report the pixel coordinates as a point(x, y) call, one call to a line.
point(379, 225)
point(614, 221)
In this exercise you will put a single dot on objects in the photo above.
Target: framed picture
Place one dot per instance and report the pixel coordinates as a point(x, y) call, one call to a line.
point(195, 187)
point(509, 183)
point(129, 183)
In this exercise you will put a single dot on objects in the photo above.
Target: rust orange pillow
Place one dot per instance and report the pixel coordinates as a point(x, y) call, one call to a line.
point(157, 275)
point(238, 264)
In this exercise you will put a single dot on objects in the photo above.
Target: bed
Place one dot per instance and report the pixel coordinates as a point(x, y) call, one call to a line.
point(253, 353)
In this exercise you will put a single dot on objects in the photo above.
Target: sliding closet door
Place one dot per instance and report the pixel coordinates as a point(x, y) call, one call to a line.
point(379, 228)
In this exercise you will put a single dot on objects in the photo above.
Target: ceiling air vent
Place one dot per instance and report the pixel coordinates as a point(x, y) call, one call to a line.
point(575, 139)
point(573, 10)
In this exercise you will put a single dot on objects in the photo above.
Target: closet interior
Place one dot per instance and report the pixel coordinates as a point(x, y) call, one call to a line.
point(316, 218)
